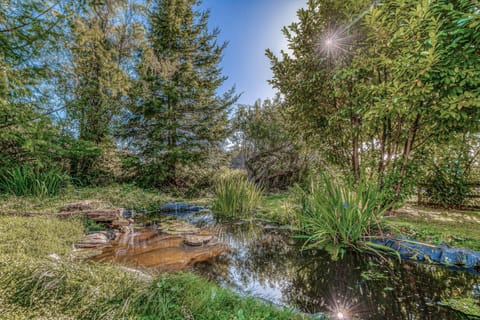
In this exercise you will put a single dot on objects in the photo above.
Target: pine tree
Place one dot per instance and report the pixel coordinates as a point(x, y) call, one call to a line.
point(28, 30)
point(101, 45)
point(177, 115)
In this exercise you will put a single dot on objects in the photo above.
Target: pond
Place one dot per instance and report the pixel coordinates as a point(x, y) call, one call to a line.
point(265, 261)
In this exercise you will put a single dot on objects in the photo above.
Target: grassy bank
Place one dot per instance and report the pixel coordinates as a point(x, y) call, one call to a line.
point(125, 196)
point(456, 228)
point(453, 227)
point(40, 279)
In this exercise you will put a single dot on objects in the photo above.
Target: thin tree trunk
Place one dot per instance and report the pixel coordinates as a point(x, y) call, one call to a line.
point(406, 155)
point(381, 162)
point(355, 145)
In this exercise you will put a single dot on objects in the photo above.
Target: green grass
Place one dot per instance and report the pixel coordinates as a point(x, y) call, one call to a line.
point(278, 208)
point(458, 233)
point(33, 285)
point(468, 305)
point(124, 196)
point(235, 196)
point(38, 236)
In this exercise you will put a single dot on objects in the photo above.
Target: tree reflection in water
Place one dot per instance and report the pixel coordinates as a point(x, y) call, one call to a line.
point(272, 266)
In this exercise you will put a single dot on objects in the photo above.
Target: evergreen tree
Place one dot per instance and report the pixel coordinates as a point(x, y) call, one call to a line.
point(102, 39)
point(28, 31)
point(177, 115)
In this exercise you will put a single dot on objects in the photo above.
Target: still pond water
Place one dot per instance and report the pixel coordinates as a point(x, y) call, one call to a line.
point(264, 261)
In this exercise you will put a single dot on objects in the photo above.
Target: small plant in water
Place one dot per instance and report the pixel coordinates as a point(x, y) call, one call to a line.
point(338, 216)
point(235, 195)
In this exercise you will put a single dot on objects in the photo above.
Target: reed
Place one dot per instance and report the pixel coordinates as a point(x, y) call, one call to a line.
point(338, 216)
point(235, 196)
point(27, 181)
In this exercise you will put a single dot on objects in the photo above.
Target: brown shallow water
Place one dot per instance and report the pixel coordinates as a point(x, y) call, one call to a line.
point(150, 248)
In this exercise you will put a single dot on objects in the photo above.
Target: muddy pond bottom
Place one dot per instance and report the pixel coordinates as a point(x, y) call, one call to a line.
point(264, 261)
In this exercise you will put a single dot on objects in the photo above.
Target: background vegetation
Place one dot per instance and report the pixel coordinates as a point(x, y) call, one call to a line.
point(93, 93)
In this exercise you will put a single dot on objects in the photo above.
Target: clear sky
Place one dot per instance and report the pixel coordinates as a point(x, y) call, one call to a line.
point(250, 27)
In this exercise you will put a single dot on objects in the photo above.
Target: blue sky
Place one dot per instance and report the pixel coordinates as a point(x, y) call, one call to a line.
point(250, 27)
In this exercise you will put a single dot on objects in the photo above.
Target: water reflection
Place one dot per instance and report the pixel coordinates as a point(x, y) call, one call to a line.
point(271, 266)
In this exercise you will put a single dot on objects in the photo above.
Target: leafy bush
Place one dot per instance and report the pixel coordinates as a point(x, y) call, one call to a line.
point(336, 216)
point(235, 195)
point(27, 181)
point(447, 186)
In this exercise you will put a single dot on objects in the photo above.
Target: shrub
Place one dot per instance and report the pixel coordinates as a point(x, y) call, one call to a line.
point(27, 181)
point(447, 186)
point(336, 216)
point(235, 195)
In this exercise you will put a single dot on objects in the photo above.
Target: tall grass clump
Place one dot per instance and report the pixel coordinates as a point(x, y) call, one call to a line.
point(235, 195)
point(27, 181)
point(337, 216)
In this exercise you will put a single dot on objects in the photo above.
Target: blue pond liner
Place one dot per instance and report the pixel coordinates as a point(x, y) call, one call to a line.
point(457, 258)
point(173, 207)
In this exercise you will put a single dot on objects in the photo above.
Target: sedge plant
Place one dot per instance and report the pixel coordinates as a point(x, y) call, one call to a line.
point(235, 196)
point(337, 216)
point(27, 181)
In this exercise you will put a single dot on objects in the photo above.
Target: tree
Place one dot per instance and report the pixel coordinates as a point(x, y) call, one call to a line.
point(102, 39)
point(176, 114)
point(408, 79)
point(270, 154)
point(28, 32)
point(324, 115)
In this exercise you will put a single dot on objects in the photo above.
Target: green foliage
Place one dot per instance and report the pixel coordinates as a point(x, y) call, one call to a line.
point(28, 33)
point(176, 116)
point(447, 185)
point(100, 42)
point(404, 79)
point(235, 195)
point(266, 147)
point(92, 225)
point(338, 216)
point(27, 181)
point(450, 170)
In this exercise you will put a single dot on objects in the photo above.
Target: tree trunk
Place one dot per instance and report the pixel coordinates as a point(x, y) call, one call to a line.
point(355, 145)
point(406, 155)
point(381, 162)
